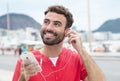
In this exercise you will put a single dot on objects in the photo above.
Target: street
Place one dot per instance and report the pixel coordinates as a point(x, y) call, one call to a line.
point(109, 64)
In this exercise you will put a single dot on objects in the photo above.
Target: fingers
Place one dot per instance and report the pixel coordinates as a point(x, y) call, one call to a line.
point(30, 68)
point(75, 39)
point(72, 39)
point(73, 36)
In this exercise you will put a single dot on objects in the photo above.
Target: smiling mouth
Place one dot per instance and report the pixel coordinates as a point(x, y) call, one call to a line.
point(49, 35)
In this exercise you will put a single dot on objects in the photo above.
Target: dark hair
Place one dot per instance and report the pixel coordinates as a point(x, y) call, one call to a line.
point(62, 10)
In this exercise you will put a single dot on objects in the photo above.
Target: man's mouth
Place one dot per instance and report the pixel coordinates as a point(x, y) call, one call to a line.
point(49, 35)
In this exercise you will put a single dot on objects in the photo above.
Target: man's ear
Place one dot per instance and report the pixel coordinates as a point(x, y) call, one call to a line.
point(67, 31)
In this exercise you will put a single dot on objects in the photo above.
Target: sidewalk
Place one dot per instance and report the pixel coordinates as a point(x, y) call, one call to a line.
point(107, 54)
point(5, 75)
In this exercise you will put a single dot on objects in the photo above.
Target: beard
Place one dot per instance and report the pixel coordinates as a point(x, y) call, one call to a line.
point(56, 38)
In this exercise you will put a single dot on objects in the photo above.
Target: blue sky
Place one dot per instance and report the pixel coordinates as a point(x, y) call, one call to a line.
point(100, 10)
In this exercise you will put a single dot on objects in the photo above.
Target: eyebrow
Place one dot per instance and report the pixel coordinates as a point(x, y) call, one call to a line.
point(53, 21)
point(58, 22)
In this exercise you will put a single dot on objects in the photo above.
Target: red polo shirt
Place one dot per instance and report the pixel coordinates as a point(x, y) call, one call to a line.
point(69, 67)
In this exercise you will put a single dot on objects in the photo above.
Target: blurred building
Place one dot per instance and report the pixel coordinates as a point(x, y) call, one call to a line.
point(16, 36)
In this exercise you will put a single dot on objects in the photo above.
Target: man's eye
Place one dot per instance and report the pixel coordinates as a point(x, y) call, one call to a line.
point(46, 22)
point(57, 24)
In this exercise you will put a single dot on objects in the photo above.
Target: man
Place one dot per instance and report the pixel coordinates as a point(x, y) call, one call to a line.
point(59, 63)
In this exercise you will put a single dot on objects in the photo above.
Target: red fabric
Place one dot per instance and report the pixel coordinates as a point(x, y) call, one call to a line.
point(69, 67)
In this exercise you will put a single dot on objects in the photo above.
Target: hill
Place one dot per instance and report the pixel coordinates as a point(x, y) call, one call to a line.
point(18, 21)
point(110, 26)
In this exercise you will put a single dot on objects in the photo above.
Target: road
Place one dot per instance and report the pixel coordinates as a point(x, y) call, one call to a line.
point(109, 65)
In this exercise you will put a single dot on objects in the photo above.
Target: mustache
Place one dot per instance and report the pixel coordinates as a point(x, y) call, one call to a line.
point(49, 31)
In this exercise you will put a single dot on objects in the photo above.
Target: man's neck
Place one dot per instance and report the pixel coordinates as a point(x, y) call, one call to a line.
point(52, 51)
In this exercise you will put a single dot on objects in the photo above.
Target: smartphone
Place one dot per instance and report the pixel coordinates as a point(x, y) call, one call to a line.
point(31, 57)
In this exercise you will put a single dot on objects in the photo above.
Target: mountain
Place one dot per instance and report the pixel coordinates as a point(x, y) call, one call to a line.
point(110, 26)
point(18, 21)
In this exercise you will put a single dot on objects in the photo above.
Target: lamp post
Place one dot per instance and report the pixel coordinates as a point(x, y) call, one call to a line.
point(8, 18)
point(89, 26)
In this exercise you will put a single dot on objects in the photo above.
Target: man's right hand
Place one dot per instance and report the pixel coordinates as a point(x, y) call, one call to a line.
point(28, 69)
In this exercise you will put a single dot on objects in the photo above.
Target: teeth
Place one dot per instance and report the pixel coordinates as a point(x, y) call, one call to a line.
point(49, 34)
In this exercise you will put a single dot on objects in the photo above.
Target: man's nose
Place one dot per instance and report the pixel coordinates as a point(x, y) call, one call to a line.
point(50, 26)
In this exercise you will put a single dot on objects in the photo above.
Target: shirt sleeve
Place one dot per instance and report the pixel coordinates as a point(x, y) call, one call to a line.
point(17, 71)
point(83, 72)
